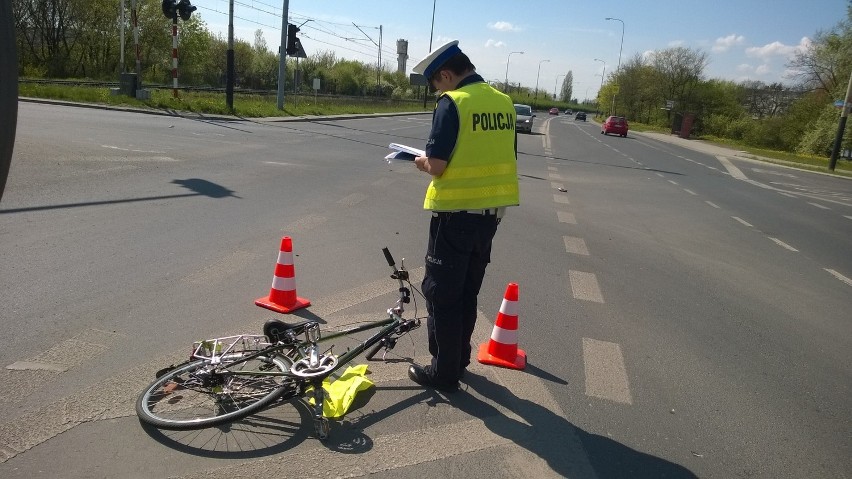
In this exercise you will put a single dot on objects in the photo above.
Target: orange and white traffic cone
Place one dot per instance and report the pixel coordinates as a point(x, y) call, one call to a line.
point(282, 297)
point(502, 348)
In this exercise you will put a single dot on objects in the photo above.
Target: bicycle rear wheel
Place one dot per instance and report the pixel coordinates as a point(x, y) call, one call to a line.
point(196, 396)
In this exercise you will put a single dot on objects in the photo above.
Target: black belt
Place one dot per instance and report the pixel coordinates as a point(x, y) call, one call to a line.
point(482, 212)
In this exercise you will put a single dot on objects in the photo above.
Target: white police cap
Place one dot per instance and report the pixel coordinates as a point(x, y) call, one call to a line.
point(438, 57)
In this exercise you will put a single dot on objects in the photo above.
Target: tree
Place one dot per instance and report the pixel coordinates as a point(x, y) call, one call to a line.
point(679, 71)
point(263, 73)
point(567, 90)
point(638, 97)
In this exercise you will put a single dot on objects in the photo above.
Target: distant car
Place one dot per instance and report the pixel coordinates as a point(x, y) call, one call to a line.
point(554, 111)
point(569, 112)
point(523, 118)
point(581, 115)
point(615, 124)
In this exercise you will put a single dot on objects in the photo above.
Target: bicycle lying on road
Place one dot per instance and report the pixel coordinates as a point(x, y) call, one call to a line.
point(232, 377)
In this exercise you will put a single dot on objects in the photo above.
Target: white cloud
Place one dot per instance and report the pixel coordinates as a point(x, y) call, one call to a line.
point(778, 49)
point(763, 69)
point(494, 44)
point(676, 43)
point(744, 68)
point(723, 44)
point(503, 27)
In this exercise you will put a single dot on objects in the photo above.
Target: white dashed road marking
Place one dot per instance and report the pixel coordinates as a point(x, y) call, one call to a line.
point(561, 199)
point(566, 217)
point(575, 245)
point(783, 244)
point(839, 276)
point(714, 205)
point(819, 206)
point(742, 221)
point(585, 286)
point(606, 376)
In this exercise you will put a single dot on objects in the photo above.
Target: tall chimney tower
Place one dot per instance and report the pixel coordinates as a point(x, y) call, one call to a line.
point(402, 54)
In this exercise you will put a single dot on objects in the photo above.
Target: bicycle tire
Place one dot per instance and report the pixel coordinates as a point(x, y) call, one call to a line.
point(183, 399)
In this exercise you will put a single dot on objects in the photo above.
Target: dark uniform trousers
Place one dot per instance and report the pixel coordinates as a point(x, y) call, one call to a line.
point(458, 253)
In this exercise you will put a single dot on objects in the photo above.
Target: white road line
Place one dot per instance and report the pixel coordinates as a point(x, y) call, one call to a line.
point(566, 217)
point(847, 217)
point(742, 221)
point(839, 276)
point(733, 170)
point(788, 195)
point(783, 244)
point(690, 192)
point(562, 199)
point(673, 182)
point(606, 376)
point(552, 168)
point(660, 175)
point(218, 271)
point(554, 176)
point(352, 199)
point(819, 206)
point(585, 286)
point(306, 223)
point(383, 182)
point(575, 245)
point(557, 186)
point(714, 205)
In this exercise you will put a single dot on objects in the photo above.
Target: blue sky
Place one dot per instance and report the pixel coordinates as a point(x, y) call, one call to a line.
point(744, 39)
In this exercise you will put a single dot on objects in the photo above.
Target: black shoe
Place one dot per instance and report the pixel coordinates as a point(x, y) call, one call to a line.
point(420, 375)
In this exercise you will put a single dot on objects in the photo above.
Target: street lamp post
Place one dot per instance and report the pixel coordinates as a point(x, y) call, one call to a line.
point(506, 82)
point(536, 77)
point(556, 82)
point(618, 68)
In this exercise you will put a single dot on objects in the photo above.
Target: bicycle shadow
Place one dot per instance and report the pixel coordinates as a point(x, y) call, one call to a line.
point(543, 433)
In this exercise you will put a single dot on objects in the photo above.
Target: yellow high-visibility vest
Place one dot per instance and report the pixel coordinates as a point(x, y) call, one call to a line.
point(483, 171)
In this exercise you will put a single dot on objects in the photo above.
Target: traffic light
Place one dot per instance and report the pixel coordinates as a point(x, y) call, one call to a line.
point(292, 41)
point(169, 7)
point(185, 9)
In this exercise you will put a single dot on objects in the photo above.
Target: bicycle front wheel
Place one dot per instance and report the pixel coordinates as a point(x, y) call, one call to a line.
point(196, 395)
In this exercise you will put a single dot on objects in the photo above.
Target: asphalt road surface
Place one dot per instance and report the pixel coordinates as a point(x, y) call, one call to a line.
point(685, 311)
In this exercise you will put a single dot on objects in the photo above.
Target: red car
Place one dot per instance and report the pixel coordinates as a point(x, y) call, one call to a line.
point(614, 124)
point(554, 111)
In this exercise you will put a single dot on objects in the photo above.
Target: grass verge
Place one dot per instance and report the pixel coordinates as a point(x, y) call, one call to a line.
point(247, 106)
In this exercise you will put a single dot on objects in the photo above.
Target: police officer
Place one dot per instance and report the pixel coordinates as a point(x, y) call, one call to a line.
point(471, 156)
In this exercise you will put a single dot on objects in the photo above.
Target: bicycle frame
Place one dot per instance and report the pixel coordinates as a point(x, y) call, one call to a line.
point(308, 366)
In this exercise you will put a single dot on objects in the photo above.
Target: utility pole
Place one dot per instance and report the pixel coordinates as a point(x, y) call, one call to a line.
point(229, 81)
point(838, 139)
point(282, 54)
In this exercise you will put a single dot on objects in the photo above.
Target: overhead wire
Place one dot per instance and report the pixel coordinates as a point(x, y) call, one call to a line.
point(315, 24)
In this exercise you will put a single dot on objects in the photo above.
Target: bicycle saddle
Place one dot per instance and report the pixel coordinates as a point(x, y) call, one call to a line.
point(275, 329)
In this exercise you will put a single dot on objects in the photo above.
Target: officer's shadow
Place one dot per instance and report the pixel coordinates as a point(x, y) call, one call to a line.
point(548, 435)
